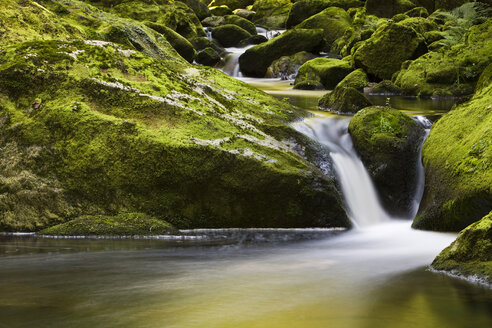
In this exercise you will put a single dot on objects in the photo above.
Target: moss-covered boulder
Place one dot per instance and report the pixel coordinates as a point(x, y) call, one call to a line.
point(182, 46)
point(220, 10)
point(418, 12)
point(357, 79)
point(241, 22)
point(124, 224)
point(286, 67)
point(208, 57)
point(388, 143)
point(470, 255)
point(388, 8)
point(385, 87)
point(232, 4)
point(328, 71)
point(255, 61)
point(344, 100)
point(384, 52)
point(271, 14)
point(457, 158)
point(244, 13)
point(113, 130)
point(453, 71)
point(254, 39)
point(230, 35)
point(304, 9)
point(201, 10)
point(334, 22)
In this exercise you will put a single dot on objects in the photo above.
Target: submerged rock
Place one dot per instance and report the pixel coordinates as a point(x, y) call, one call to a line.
point(327, 71)
point(344, 100)
point(255, 61)
point(470, 255)
point(388, 143)
point(457, 158)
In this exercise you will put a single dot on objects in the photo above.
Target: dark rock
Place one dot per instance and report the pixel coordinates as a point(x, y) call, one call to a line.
point(208, 57)
point(230, 35)
point(344, 100)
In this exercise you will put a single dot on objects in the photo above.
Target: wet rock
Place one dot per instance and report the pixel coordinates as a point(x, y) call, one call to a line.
point(230, 35)
point(208, 57)
point(344, 100)
point(286, 67)
point(385, 87)
point(328, 71)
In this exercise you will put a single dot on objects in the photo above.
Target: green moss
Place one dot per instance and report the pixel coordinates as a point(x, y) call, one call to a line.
point(220, 10)
point(384, 52)
point(304, 9)
point(230, 35)
point(344, 100)
point(271, 13)
point(123, 224)
point(457, 158)
point(334, 22)
point(453, 71)
point(241, 22)
point(470, 255)
point(287, 66)
point(388, 143)
point(386, 88)
point(328, 71)
point(255, 61)
point(208, 57)
point(357, 79)
point(387, 9)
point(179, 43)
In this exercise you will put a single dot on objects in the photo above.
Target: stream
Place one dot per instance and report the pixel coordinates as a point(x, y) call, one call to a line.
point(374, 275)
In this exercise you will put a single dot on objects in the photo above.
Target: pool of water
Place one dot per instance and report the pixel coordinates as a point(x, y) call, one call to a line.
point(373, 277)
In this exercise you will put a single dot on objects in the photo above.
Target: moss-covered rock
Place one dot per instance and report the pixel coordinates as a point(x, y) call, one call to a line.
point(386, 87)
point(450, 72)
point(201, 10)
point(179, 43)
point(418, 12)
point(334, 22)
point(286, 67)
point(384, 52)
point(254, 39)
point(357, 79)
point(246, 14)
point(457, 158)
point(328, 71)
point(388, 8)
point(304, 9)
point(124, 224)
point(230, 35)
point(232, 4)
point(241, 22)
point(220, 10)
point(255, 61)
point(271, 14)
point(388, 143)
point(470, 255)
point(208, 57)
point(125, 132)
point(344, 100)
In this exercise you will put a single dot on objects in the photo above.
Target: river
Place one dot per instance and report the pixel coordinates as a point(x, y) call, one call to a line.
point(375, 275)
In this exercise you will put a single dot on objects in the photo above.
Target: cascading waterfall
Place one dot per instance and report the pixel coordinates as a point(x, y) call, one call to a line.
point(231, 66)
point(359, 193)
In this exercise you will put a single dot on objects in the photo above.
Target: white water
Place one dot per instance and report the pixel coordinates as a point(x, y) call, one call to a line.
point(231, 66)
point(360, 196)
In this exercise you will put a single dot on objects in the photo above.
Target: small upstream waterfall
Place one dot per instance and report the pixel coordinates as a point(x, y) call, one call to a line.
point(231, 66)
point(358, 190)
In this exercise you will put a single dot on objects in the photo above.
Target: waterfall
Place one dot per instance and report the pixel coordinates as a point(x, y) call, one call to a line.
point(359, 193)
point(231, 66)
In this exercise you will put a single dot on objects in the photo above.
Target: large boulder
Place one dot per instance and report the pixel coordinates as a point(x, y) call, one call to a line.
point(286, 67)
point(334, 22)
point(271, 14)
point(388, 143)
point(220, 10)
point(357, 79)
point(232, 4)
point(255, 61)
point(344, 100)
point(230, 35)
point(182, 46)
point(457, 157)
point(201, 10)
point(327, 71)
point(304, 9)
point(241, 22)
point(453, 72)
point(384, 52)
point(470, 255)
point(95, 128)
point(208, 57)
point(388, 8)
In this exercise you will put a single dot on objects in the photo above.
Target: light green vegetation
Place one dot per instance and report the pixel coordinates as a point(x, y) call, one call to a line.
point(303, 9)
point(357, 79)
point(271, 14)
point(388, 143)
point(470, 255)
point(124, 224)
point(457, 158)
